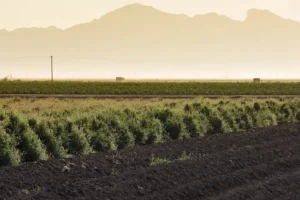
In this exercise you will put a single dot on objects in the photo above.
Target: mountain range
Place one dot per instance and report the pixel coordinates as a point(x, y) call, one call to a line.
point(138, 33)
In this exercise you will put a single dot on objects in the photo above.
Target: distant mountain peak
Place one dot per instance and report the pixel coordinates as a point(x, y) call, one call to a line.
point(255, 15)
point(53, 28)
point(214, 18)
point(135, 8)
point(132, 10)
point(212, 15)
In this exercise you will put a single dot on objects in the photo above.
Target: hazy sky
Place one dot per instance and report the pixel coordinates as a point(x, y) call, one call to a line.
point(65, 13)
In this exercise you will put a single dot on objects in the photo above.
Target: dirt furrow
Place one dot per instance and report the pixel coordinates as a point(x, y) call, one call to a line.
point(269, 188)
point(218, 165)
point(208, 166)
point(204, 188)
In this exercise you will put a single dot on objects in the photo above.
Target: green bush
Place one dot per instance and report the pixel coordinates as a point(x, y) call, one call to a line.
point(146, 131)
point(216, 125)
point(101, 142)
point(197, 106)
point(9, 155)
point(188, 108)
point(124, 138)
point(32, 147)
point(57, 132)
point(118, 126)
point(193, 126)
point(4, 119)
point(82, 123)
point(207, 111)
point(78, 144)
point(154, 130)
point(15, 126)
point(163, 115)
point(288, 113)
point(176, 128)
point(265, 119)
point(54, 144)
point(256, 106)
point(231, 118)
point(33, 123)
point(138, 129)
point(246, 122)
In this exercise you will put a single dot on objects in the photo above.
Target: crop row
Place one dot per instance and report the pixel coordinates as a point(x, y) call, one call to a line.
point(149, 88)
point(42, 134)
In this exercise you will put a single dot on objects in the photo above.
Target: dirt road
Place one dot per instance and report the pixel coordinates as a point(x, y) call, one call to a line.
point(81, 96)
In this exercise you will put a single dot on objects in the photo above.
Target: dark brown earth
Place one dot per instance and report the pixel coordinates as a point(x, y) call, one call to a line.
point(260, 164)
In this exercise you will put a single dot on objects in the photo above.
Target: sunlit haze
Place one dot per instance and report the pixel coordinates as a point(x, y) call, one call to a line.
point(65, 13)
point(95, 39)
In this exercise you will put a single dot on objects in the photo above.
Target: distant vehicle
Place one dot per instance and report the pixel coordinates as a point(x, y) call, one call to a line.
point(120, 79)
point(256, 80)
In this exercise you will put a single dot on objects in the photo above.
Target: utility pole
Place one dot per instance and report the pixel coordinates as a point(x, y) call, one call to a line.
point(52, 68)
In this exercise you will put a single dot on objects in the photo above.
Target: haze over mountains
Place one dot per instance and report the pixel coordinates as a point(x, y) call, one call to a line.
point(135, 39)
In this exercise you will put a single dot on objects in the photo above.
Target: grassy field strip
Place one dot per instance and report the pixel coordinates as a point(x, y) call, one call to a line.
point(148, 88)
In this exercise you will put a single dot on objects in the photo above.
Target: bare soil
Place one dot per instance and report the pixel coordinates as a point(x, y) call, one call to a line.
point(259, 164)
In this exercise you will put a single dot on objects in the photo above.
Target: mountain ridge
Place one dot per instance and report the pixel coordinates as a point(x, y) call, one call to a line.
point(251, 13)
point(143, 33)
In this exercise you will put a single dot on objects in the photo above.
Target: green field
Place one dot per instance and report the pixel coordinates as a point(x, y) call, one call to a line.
point(148, 88)
point(33, 129)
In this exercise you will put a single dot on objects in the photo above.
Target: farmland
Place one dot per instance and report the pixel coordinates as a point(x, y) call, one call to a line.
point(260, 164)
point(34, 129)
point(149, 88)
point(149, 148)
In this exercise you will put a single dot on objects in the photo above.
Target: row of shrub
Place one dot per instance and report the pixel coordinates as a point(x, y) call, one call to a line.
point(149, 88)
point(30, 138)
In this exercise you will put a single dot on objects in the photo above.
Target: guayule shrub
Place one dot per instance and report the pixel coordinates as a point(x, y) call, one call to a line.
point(9, 155)
point(163, 115)
point(4, 119)
point(124, 137)
point(193, 125)
point(146, 130)
point(32, 147)
point(264, 119)
point(175, 127)
point(155, 131)
point(15, 127)
point(102, 142)
point(59, 128)
point(53, 143)
point(78, 144)
point(138, 128)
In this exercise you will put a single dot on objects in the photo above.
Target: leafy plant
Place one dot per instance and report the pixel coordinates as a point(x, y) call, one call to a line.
point(78, 143)
point(9, 155)
point(184, 156)
point(158, 161)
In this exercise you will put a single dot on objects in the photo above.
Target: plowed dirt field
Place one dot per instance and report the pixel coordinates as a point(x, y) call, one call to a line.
point(259, 164)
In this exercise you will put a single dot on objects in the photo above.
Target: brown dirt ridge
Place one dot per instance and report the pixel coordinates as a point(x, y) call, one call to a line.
point(258, 164)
